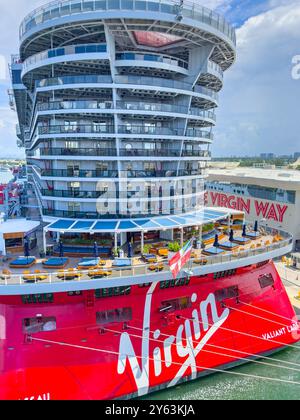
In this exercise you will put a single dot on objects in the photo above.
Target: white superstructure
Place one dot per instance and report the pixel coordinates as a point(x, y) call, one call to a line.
point(116, 102)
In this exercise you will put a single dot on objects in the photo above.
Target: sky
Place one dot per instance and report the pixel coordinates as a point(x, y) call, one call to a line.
point(259, 104)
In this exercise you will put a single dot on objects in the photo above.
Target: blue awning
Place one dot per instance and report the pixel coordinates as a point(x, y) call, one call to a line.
point(105, 226)
point(62, 224)
point(124, 225)
point(82, 225)
point(137, 225)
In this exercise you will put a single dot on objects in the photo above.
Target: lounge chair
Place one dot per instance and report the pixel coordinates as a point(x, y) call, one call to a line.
point(163, 252)
point(150, 258)
point(23, 262)
point(157, 267)
point(5, 274)
point(56, 263)
point(99, 273)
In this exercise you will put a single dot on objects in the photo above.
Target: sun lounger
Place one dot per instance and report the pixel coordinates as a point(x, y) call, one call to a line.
point(23, 262)
point(56, 263)
point(150, 258)
point(94, 274)
point(122, 262)
point(213, 251)
point(88, 263)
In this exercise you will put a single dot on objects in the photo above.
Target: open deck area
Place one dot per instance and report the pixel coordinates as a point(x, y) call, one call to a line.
point(143, 268)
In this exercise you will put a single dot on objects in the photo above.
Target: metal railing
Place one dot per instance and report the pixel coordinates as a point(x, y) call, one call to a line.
point(157, 58)
point(67, 105)
point(75, 129)
point(126, 106)
point(69, 173)
point(141, 81)
point(123, 152)
point(123, 129)
point(59, 52)
point(190, 9)
point(215, 68)
point(117, 195)
point(109, 215)
point(163, 131)
point(69, 80)
point(139, 270)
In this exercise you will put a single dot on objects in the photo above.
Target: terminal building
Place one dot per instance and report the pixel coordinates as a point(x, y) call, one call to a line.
point(271, 196)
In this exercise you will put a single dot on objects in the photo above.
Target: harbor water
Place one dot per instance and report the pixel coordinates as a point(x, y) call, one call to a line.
point(225, 386)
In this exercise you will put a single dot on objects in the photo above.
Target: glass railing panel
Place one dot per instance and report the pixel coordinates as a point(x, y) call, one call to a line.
point(52, 278)
point(58, 52)
point(127, 80)
point(115, 174)
point(122, 152)
point(190, 10)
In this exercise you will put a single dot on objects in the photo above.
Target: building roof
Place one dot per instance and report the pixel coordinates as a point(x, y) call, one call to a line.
point(280, 178)
point(18, 225)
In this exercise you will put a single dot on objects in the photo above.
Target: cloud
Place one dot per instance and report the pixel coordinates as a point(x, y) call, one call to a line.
point(259, 104)
point(259, 109)
point(8, 146)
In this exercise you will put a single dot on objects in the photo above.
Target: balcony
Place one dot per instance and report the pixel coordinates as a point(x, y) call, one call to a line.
point(70, 105)
point(76, 129)
point(132, 130)
point(71, 194)
point(78, 152)
point(41, 58)
point(70, 80)
point(56, 10)
point(215, 69)
point(105, 195)
point(141, 81)
point(108, 216)
point(163, 131)
point(125, 106)
point(69, 173)
point(160, 62)
point(123, 152)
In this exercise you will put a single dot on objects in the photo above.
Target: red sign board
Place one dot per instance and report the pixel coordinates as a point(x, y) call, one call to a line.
point(265, 209)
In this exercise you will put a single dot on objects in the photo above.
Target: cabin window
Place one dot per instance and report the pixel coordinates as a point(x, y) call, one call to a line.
point(114, 315)
point(76, 293)
point(262, 263)
point(112, 291)
point(174, 283)
point(226, 273)
point(176, 304)
point(39, 324)
point(227, 293)
point(39, 298)
point(266, 280)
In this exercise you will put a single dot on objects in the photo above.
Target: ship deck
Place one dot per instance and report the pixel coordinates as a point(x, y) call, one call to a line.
point(271, 244)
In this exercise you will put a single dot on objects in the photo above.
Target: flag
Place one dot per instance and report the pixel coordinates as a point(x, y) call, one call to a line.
point(178, 261)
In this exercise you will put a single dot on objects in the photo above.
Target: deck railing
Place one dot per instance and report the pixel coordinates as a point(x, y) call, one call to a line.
point(190, 10)
point(143, 269)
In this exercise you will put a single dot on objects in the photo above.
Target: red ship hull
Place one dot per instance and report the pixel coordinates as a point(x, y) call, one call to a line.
point(121, 343)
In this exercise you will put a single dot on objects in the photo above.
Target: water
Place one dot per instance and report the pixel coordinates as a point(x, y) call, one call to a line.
point(222, 386)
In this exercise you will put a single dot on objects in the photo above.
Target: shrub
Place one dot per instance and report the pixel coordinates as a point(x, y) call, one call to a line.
point(208, 227)
point(174, 246)
point(146, 249)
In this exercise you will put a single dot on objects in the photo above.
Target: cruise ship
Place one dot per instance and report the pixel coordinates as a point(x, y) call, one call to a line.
point(116, 104)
